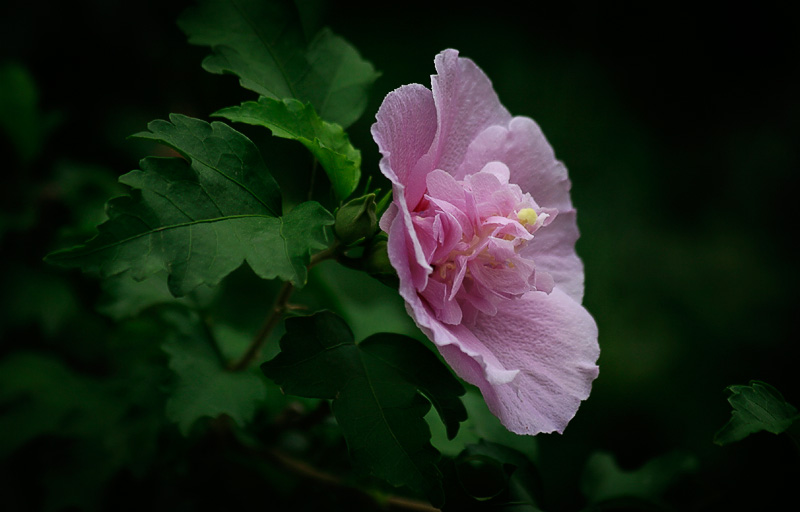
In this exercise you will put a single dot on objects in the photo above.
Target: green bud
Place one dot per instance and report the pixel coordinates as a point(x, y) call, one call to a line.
point(376, 257)
point(375, 262)
point(356, 219)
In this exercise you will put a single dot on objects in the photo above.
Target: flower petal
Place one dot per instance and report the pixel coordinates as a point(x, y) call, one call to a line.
point(405, 128)
point(553, 251)
point(522, 146)
point(466, 105)
point(550, 339)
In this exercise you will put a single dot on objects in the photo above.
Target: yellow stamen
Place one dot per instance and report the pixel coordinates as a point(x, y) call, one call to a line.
point(527, 216)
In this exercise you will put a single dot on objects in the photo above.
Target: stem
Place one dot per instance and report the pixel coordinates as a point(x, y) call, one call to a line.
point(276, 313)
point(206, 324)
point(309, 472)
point(271, 321)
point(330, 252)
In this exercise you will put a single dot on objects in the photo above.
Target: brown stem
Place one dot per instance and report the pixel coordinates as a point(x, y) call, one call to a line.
point(309, 472)
point(270, 323)
point(327, 254)
point(275, 315)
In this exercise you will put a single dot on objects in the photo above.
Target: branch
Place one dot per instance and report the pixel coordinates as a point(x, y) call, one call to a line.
point(276, 313)
point(309, 472)
point(270, 323)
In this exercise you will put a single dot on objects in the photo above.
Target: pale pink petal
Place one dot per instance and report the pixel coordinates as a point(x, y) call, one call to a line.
point(522, 146)
point(553, 251)
point(447, 311)
point(466, 104)
point(551, 340)
point(405, 251)
point(405, 128)
point(443, 186)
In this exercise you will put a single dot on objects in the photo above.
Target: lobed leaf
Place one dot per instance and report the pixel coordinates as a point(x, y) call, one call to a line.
point(199, 221)
point(124, 297)
point(263, 44)
point(205, 388)
point(377, 388)
point(217, 149)
point(292, 119)
point(756, 407)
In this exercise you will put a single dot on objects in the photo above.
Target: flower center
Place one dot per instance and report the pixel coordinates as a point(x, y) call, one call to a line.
point(475, 234)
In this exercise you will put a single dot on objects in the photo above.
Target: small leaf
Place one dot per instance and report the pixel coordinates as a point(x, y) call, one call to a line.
point(205, 388)
point(377, 388)
point(199, 222)
point(291, 119)
point(756, 407)
point(264, 45)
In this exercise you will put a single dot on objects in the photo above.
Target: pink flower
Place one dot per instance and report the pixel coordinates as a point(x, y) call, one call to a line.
point(482, 234)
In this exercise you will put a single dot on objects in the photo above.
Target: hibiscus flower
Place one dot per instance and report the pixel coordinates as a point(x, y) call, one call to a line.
point(482, 234)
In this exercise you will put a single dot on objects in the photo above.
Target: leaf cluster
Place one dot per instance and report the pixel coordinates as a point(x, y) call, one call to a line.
point(205, 217)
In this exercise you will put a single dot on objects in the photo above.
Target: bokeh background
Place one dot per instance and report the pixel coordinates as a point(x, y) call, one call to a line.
point(678, 124)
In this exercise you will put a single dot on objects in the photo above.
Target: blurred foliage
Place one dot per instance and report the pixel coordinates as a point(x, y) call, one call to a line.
point(678, 127)
point(756, 407)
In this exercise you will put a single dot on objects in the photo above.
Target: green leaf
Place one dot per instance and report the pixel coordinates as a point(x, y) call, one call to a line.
point(199, 222)
point(217, 149)
point(377, 389)
point(603, 479)
point(205, 388)
point(756, 407)
point(292, 119)
point(264, 45)
point(125, 297)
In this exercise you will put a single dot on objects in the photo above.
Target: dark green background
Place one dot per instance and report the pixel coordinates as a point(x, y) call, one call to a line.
point(677, 124)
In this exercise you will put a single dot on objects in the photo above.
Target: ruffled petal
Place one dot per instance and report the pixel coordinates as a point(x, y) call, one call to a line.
point(551, 340)
point(405, 128)
point(522, 146)
point(553, 251)
point(466, 104)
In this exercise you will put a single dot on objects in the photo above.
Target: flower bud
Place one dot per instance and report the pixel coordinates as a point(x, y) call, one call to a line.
point(356, 219)
point(375, 262)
